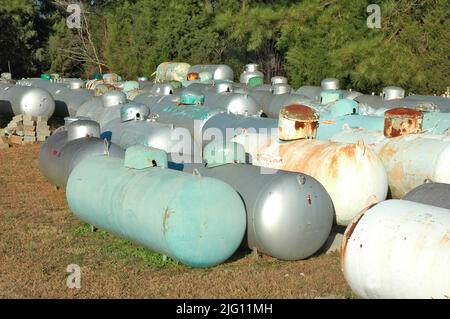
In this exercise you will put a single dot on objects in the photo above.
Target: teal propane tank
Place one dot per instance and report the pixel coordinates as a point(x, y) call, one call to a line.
point(199, 221)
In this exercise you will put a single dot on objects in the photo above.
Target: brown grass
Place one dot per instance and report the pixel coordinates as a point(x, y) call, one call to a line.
point(39, 237)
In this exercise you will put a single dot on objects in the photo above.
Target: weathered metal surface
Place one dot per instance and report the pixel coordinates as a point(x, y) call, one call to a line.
point(329, 96)
point(330, 84)
point(162, 209)
point(58, 155)
point(297, 122)
point(278, 80)
point(83, 128)
point(402, 121)
point(411, 159)
point(443, 103)
point(344, 107)
point(192, 76)
point(112, 98)
point(310, 92)
point(351, 173)
point(134, 111)
point(218, 71)
point(398, 249)
point(151, 134)
point(15, 100)
point(289, 215)
point(429, 193)
point(281, 88)
point(330, 125)
point(171, 71)
point(67, 100)
point(250, 71)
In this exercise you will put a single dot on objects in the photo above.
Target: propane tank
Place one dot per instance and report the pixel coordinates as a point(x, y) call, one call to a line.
point(171, 71)
point(15, 100)
point(343, 169)
point(398, 249)
point(430, 193)
point(289, 215)
point(150, 206)
point(218, 71)
point(330, 84)
point(63, 150)
point(393, 92)
point(137, 131)
point(67, 100)
point(250, 71)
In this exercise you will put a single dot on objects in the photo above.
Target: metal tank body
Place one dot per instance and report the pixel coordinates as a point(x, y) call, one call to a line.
point(148, 133)
point(250, 71)
point(67, 100)
point(330, 125)
point(105, 108)
point(330, 84)
point(236, 103)
point(289, 215)
point(443, 103)
point(351, 173)
point(59, 155)
point(171, 71)
point(311, 92)
point(411, 159)
point(398, 249)
point(162, 209)
point(230, 125)
point(15, 99)
point(219, 71)
point(271, 104)
point(429, 193)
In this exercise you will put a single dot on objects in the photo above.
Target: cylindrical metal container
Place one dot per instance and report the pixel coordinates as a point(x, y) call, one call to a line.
point(429, 193)
point(15, 99)
point(443, 103)
point(351, 173)
point(330, 125)
point(393, 92)
point(67, 100)
point(411, 159)
point(106, 108)
point(171, 71)
point(236, 103)
point(227, 126)
point(297, 122)
point(150, 134)
point(278, 80)
point(197, 220)
point(59, 155)
point(289, 215)
point(398, 249)
point(402, 121)
point(190, 117)
point(250, 71)
point(330, 84)
point(219, 71)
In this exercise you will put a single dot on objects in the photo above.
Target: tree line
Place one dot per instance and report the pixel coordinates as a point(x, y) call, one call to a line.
point(305, 40)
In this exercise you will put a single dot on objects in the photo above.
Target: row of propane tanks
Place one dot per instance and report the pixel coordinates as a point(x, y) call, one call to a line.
point(213, 81)
point(197, 210)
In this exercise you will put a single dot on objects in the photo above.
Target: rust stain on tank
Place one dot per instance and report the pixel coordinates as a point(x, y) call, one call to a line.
point(349, 231)
point(401, 121)
point(166, 217)
point(445, 239)
point(193, 76)
point(297, 121)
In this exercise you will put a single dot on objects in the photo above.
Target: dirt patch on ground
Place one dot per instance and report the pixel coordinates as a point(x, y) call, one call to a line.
point(39, 238)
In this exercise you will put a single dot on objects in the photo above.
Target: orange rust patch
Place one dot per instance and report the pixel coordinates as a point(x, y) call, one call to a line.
point(445, 239)
point(193, 76)
point(299, 111)
point(403, 111)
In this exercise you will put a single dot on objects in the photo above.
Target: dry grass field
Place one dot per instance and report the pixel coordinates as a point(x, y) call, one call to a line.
point(39, 237)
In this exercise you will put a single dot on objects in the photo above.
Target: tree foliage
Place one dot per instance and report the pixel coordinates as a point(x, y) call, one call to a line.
point(304, 40)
